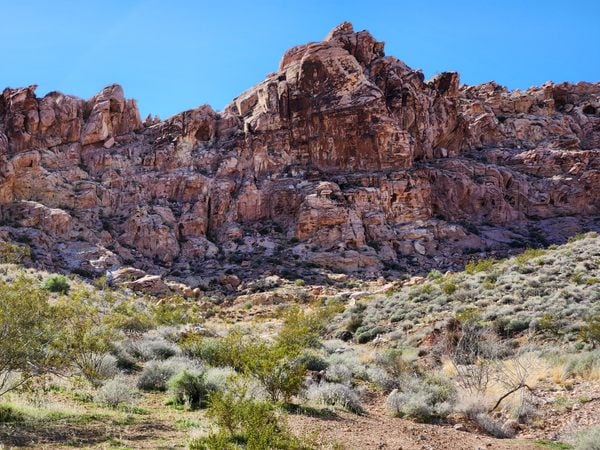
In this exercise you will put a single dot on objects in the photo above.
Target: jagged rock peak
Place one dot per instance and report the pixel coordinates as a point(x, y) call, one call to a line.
point(342, 29)
point(361, 45)
point(345, 158)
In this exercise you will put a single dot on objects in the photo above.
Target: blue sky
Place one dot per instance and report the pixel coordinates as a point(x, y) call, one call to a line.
point(176, 55)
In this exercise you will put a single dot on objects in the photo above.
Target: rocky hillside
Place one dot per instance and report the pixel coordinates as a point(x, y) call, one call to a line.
point(344, 159)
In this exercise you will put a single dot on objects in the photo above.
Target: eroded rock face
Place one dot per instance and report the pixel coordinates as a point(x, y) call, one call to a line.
point(344, 158)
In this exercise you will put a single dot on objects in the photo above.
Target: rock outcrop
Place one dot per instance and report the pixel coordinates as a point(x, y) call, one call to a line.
point(344, 158)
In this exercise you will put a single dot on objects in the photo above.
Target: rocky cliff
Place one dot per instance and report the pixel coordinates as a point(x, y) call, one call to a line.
point(344, 159)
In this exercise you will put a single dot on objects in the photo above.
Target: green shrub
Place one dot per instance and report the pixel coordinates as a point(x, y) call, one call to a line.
point(190, 388)
point(57, 283)
point(468, 315)
point(175, 310)
point(29, 330)
point(9, 415)
point(156, 374)
point(479, 266)
point(246, 423)
point(354, 323)
point(85, 339)
point(366, 334)
point(301, 329)
point(435, 275)
point(549, 324)
point(590, 332)
point(275, 368)
point(528, 255)
point(130, 316)
point(213, 351)
point(312, 361)
point(449, 288)
point(276, 365)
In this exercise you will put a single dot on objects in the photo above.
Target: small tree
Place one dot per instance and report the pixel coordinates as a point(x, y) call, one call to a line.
point(57, 283)
point(477, 356)
point(27, 333)
point(278, 370)
point(85, 337)
point(239, 418)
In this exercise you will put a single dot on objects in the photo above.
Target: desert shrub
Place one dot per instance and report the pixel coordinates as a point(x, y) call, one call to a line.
point(124, 359)
point(85, 337)
point(8, 414)
point(277, 370)
point(130, 316)
point(312, 361)
point(274, 364)
point(218, 377)
point(28, 332)
point(156, 374)
point(302, 329)
point(347, 362)
point(354, 323)
point(190, 388)
point(339, 373)
point(242, 421)
point(449, 288)
point(479, 266)
point(528, 255)
point(115, 392)
point(516, 325)
point(153, 347)
point(57, 283)
point(435, 275)
point(395, 362)
point(175, 310)
point(97, 367)
point(583, 365)
point(331, 346)
point(213, 351)
point(367, 333)
point(549, 324)
point(423, 398)
point(492, 426)
point(382, 379)
point(13, 253)
point(589, 439)
point(335, 394)
point(590, 332)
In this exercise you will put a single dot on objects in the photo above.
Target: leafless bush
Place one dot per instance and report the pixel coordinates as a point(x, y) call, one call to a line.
point(478, 357)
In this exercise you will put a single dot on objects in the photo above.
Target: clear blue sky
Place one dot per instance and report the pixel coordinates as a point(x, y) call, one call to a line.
point(176, 55)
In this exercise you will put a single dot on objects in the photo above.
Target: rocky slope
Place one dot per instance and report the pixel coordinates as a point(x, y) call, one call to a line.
point(344, 158)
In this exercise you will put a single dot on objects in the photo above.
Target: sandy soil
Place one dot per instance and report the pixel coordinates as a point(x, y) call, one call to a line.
point(377, 430)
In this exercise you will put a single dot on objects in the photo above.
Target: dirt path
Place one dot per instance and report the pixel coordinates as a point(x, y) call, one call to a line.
point(376, 430)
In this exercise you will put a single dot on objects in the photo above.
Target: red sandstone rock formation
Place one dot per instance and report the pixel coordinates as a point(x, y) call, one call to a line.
point(344, 158)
